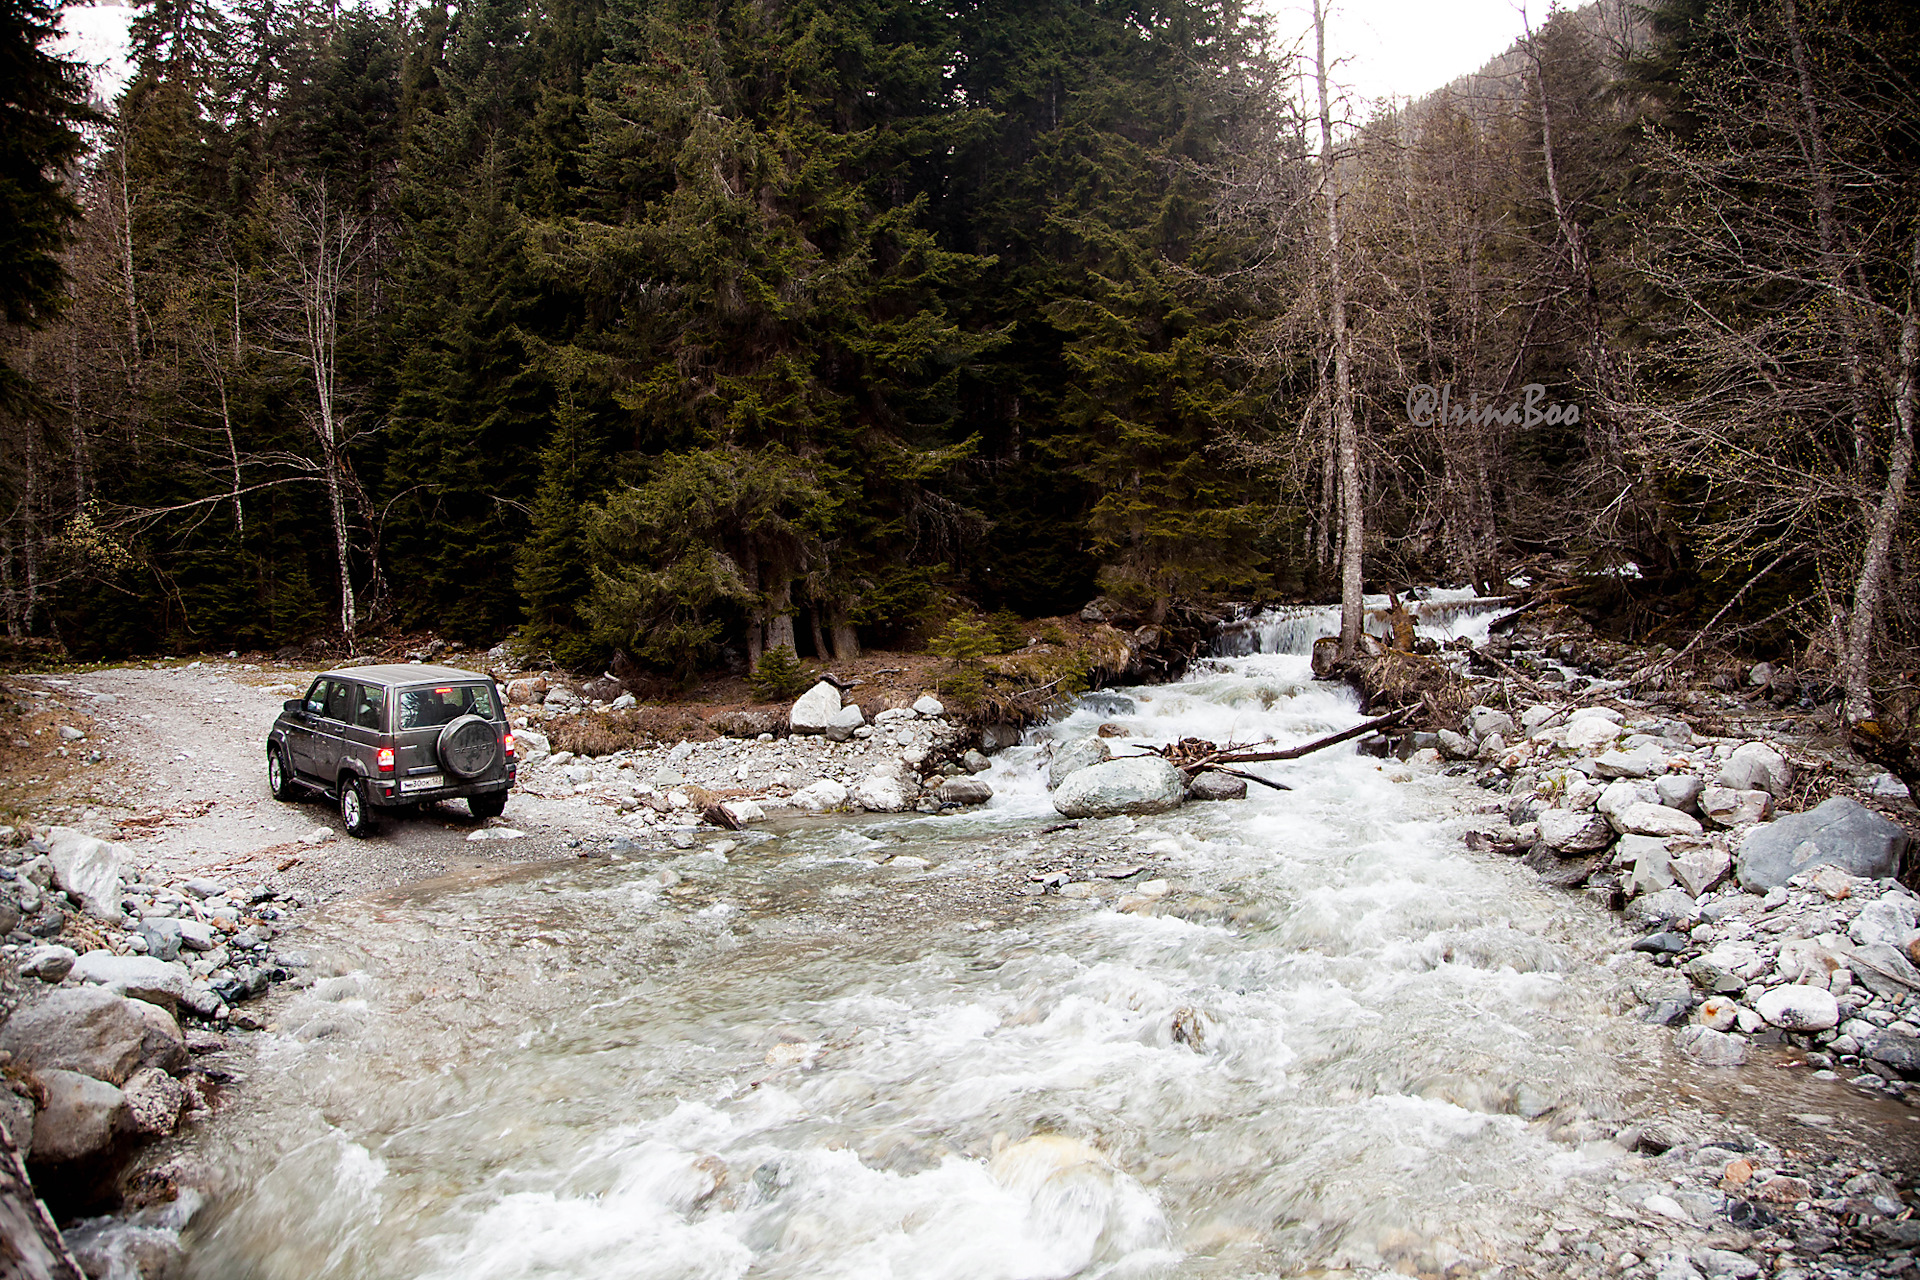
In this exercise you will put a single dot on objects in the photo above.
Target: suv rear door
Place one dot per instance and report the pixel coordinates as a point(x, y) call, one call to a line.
point(420, 712)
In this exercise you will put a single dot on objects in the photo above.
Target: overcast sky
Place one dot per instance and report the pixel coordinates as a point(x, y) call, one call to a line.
point(1385, 48)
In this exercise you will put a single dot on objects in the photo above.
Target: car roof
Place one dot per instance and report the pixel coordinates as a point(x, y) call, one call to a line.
point(397, 673)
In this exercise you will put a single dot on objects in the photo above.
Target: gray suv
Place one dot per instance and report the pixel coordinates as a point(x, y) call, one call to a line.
point(390, 736)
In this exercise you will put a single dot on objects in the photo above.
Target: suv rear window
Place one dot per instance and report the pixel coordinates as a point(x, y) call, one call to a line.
point(429, 708)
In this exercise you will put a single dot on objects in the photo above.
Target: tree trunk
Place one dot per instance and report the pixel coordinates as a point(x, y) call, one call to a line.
point(1353, 518)
point(846, 641)
point(1856, 661)
point(780, 613)
point(819, 633)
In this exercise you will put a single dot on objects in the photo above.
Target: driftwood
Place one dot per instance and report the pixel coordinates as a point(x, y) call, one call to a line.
point(30, 1245)
point(1193, 756)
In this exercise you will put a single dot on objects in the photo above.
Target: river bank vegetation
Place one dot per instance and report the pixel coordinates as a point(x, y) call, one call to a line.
point(690, 330)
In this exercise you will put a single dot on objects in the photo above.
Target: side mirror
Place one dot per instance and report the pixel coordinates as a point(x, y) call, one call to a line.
point(294, 706)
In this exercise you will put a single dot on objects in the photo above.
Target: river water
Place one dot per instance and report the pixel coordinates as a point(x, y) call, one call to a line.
point(1320, 1035)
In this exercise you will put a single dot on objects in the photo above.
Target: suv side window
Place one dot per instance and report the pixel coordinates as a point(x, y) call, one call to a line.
point(372, 700)
point(340, 701)
point(316, 703)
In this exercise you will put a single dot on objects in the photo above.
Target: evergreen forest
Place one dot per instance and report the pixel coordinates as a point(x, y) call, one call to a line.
point(693, 328)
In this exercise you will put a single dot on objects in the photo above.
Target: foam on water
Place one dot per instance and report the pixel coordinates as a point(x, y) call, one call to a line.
point(1345, 1042)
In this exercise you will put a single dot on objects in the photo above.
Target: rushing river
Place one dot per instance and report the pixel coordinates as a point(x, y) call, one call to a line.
point(1321, 1035)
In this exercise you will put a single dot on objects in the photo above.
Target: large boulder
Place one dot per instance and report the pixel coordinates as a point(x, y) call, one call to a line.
point(886, 790)
point(1070, 757)
point(139, 977)
point(815, 710)
point(821, 796)
point(91, 871)
point(94, 1032)
point(530, 745)
point(80, 1117)
point(1755, 766)
point(963, 791)
point(1840, 832)
point(1136, 784)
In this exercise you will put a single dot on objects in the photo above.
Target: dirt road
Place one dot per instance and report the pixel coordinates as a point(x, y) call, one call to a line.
point(170, 760)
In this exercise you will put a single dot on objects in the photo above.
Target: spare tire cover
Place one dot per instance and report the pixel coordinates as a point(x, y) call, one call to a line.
point(468, 746)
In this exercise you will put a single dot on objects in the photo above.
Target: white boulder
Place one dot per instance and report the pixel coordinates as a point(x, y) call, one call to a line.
point(815, 709)
point(1134, 784)
point(1755, 766)
point(1799, 1008)
point(90, 870)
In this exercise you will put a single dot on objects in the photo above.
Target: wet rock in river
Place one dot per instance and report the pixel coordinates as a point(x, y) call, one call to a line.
point(1713, 1048)
point(963, 791)
point(1217, 786)
point(154, 1101)
point(1070, 757)
point(1840, 832)
point(1134, 785)
point(1894, 1049)
point(887, 789)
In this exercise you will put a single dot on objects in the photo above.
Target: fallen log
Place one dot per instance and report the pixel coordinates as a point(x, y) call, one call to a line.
point(1307, 749)
point(1242, 773)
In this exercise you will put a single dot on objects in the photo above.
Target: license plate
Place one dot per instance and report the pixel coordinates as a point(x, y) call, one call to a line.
point(428, 783)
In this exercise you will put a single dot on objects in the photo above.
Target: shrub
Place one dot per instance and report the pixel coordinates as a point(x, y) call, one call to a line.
point(1008, 633)
point(779, 676)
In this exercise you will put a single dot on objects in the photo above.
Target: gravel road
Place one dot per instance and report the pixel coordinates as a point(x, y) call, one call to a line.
point(180, 776)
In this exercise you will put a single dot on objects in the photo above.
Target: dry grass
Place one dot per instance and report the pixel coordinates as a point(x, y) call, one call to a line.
point(1395, 679)
point(601, 733)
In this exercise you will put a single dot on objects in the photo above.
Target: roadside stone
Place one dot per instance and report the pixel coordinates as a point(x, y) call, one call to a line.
point(1135, 785)
point(1487, 721)
point(527, 690)
point(1652, 865)
point(1615, 797)
point(91, 871)
point(929, 706)
point(1887, 921)
point(1536, 717)
point(154, 1101)
point(1840, 832)
point(1678, 791)
point(140, 977)
point(1700, 870)
point(49, 962)
point(844, 721)
point(1217, 786)
point(1658, 820)
point(1454, 746)
point(815, 709)
point(1665, 907)
point(1641, 762)
point(1590, 733)
point(79, 1118)
point(1070, 757)
point(530, 746)
point(963, 791)
point(1755, 766)
point(1725, 807)
point(197, 935)
point(1568, 831)
point(1883, 970)
point(1799, 1008)
point(1712, 1048)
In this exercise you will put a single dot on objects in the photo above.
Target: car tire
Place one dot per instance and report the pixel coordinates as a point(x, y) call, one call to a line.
point(356, 815)
point(468, 746)
point(490, 805)
point(280, 778)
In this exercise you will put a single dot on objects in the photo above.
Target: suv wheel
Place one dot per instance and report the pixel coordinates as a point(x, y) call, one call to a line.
point(490, 805)
point(279, 778)
point(355, 815)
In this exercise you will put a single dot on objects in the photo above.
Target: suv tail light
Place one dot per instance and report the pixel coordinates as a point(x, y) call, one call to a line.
point(506, 744)
point(384, 758)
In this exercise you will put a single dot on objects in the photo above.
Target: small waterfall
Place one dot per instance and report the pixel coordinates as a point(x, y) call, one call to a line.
point(1441, 614)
